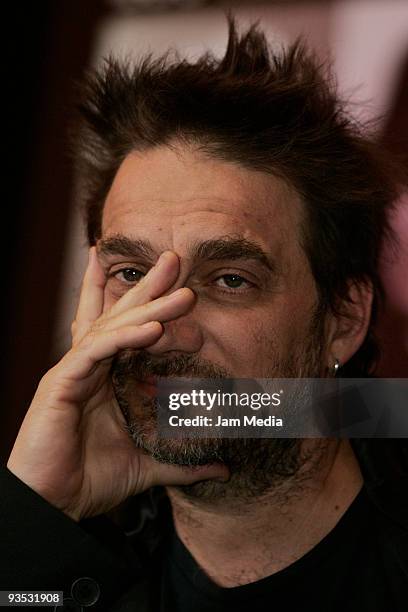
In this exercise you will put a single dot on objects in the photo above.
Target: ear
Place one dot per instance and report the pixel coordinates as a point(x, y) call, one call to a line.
point(347, 328)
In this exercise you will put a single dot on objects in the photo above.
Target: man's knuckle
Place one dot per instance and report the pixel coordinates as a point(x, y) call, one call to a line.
point(97, 326)
point(117, 333)
point(88, 340)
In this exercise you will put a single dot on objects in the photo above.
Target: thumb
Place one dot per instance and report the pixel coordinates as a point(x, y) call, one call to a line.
point(166, 475)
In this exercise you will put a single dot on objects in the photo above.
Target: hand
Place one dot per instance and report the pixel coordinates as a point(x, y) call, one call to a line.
point(72, 448)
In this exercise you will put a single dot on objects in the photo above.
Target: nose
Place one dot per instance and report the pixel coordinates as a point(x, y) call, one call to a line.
point(180, 335)
point(183, 334)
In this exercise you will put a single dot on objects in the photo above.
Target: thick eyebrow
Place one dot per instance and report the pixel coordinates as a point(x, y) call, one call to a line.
point(217, 249)
point(233, 248)
point(127, 247)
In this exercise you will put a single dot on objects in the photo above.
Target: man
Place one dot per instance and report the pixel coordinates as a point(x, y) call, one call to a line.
point(235, 217)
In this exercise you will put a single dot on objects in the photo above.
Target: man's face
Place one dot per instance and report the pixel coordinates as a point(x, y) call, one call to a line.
point(251, 316)
point(237, 233)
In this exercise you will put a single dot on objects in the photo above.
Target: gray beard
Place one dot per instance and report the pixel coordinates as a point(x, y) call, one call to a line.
point(257, 466)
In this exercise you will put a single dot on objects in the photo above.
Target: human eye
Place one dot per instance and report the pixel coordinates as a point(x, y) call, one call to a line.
point(127, 276)
point(233, 283)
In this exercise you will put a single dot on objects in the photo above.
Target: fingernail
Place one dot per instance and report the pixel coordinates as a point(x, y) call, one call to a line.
point(175, 295)
point(149, 324)
point(162, 259)
point(91, 254)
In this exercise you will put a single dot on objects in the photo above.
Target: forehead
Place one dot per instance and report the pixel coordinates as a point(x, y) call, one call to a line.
point(171, 197)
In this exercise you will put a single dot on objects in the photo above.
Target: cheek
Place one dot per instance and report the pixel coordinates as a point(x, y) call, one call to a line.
point(254, 342)
point(241, 339)
point(253, 327)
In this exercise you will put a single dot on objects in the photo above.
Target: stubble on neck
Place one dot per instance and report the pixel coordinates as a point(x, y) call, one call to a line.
point(237, 541)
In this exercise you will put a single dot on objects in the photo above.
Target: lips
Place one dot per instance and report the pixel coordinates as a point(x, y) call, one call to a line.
point(153, 386)
point(148, 385)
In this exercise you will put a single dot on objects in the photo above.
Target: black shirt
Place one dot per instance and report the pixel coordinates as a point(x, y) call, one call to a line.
point(347, 570)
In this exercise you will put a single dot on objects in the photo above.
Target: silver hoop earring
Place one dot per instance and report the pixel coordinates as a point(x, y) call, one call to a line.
point(336, 367)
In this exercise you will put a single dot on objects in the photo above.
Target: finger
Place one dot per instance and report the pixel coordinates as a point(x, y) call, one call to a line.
point(167, 475)
point(162, 309)
point(101, 345)
point(157, 281)
point(90, 305)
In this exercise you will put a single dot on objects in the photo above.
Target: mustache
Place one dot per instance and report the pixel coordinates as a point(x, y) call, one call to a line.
point(130, 364)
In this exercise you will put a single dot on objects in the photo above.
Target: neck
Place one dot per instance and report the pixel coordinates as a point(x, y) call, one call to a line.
point(260, 538)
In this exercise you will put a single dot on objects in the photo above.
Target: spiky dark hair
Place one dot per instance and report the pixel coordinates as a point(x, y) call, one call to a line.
point(273, 111)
